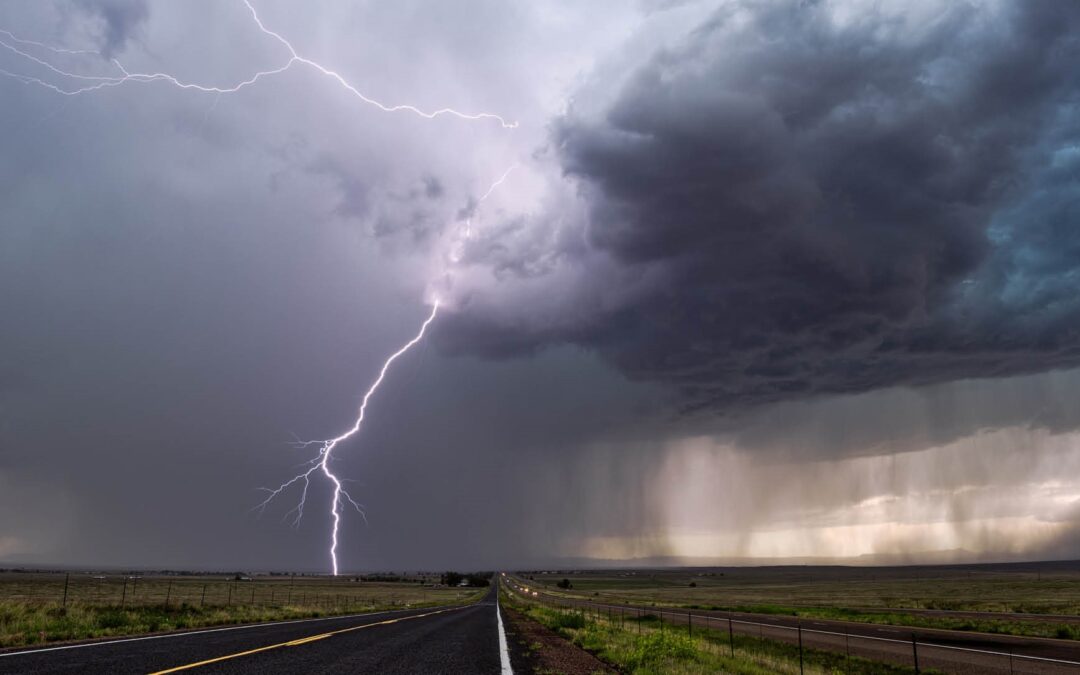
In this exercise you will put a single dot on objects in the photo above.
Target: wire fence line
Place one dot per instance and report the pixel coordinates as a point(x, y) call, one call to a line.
point(65, 590)
point(908, 651)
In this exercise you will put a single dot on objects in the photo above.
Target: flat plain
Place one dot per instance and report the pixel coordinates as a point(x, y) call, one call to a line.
point(1031, 599)
point(46, 607)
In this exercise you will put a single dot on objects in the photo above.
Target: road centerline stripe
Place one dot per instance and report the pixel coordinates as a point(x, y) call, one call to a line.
point(299, 641)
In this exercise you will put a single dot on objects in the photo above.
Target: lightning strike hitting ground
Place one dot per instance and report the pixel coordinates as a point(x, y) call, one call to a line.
point(89, 83)
point(321, 461)
point(326, 447)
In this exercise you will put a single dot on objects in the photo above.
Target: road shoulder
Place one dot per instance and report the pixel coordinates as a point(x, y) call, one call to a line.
point(537, 649)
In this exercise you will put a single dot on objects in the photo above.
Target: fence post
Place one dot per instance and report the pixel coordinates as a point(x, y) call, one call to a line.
point(915, 653)
point(731, 635)
point(67, 577)
point(639, 619)
point(228, 602)
point(1010, 660)
point(202, 601)
point(123, 594)
point(168, 594)
point(292, 580)
point(800, 648)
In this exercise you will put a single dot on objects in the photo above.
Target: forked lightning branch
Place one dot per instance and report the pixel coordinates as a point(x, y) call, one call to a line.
point(42, 58)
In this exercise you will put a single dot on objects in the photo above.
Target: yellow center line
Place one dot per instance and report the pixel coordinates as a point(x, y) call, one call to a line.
point(300, 641)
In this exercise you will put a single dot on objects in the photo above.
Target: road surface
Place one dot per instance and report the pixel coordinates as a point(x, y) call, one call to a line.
point(455, 640)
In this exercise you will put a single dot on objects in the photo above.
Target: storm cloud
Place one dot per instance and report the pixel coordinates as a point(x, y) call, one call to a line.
point(827, 199)
point(842, 233)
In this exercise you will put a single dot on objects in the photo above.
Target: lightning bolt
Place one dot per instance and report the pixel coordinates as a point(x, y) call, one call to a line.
point(84, 84)
point(97, 82)
point(321, 462)
point(499, 181)
point(326, 448)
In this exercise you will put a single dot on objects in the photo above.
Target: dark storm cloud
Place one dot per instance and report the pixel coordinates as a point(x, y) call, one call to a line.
point(119, 21)
point(778, 204)
point(826, 204)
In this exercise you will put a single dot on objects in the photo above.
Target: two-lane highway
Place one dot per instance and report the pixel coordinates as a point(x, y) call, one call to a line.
point(436, 640)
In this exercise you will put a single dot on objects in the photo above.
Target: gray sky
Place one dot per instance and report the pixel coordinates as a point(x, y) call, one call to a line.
point(760, 280)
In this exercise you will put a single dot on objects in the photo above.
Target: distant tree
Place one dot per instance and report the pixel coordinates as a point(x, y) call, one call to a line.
point(693, 584)
point(451, 578)
point(565, 583)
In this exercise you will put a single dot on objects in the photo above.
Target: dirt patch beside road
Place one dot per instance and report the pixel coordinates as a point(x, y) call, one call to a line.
point(537, 649)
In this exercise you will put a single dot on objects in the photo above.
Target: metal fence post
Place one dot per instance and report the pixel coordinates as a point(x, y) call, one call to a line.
point(800, 648)
point(689, 625)
point(168, 594)
point(915, 653)
point(67, 577)
point(202, 601)
point(123, 594)
point(731, 636)
point(292, 580)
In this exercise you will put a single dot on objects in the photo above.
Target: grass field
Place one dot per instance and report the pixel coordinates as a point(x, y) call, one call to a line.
point(871, 595)
point(644, 647)
point(36, 608)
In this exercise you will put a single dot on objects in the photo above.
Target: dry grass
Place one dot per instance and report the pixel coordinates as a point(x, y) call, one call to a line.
point(985, 589)
point(33, 608)
point(868, 595)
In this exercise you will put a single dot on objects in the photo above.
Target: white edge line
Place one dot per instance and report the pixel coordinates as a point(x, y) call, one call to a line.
point(504, 653)
point(265, 624)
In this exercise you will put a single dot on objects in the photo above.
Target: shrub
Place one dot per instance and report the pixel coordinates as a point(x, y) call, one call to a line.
point(569, 620)
point(659, 647)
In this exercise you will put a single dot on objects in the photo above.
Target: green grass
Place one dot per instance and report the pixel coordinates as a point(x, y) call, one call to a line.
point(643, 647)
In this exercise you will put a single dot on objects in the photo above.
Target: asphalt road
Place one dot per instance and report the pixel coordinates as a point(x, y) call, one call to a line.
point(455, 640)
